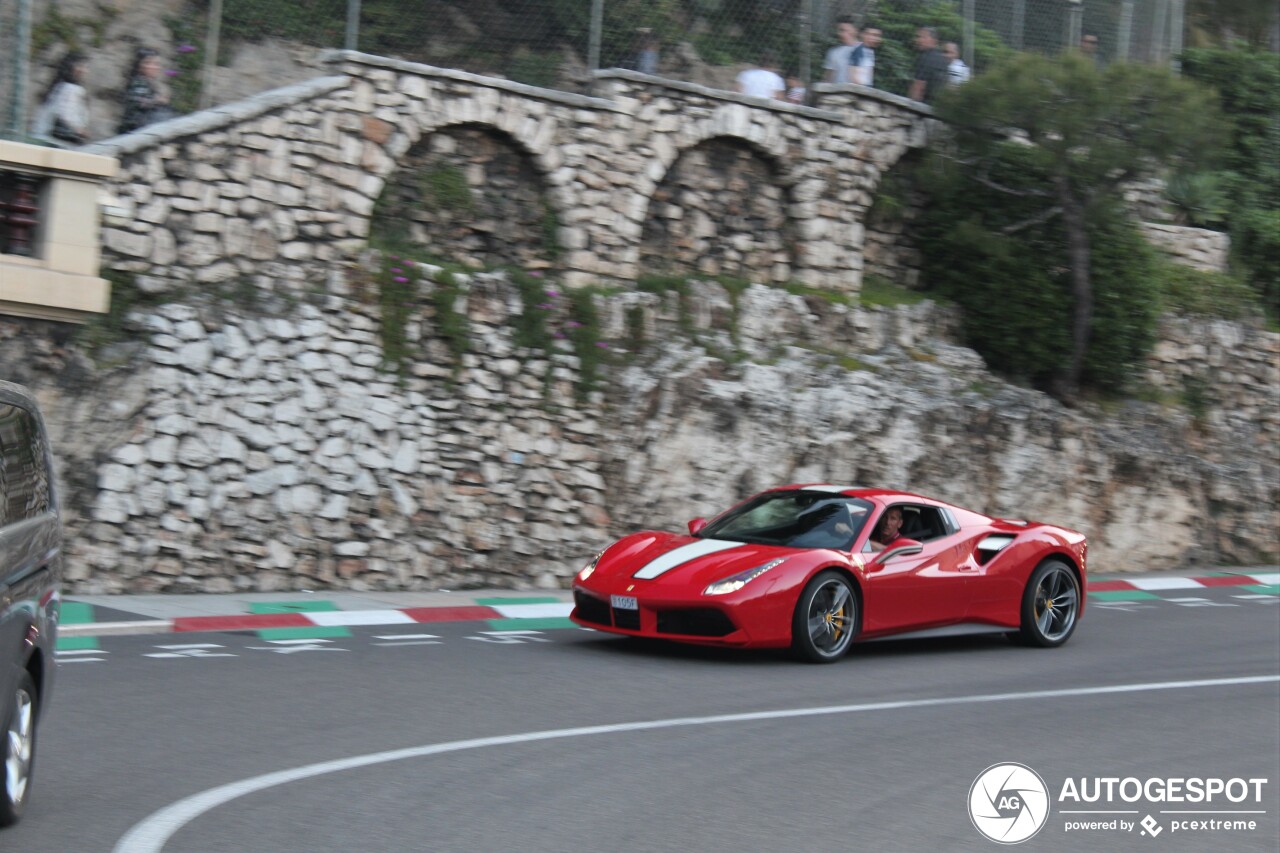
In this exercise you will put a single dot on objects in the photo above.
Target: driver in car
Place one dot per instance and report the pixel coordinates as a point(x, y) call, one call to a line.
point(887, 530)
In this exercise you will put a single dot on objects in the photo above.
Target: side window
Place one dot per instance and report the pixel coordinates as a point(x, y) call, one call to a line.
point(923, 523)
point(24, 480)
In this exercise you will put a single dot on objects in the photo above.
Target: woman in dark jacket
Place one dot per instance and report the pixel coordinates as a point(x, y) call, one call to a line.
point(145, 102)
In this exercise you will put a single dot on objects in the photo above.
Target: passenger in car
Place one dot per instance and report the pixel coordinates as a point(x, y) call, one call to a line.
point(887, 530)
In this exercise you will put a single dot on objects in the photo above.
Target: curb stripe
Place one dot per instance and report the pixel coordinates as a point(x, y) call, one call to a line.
point(451, 614)
point(250, 622)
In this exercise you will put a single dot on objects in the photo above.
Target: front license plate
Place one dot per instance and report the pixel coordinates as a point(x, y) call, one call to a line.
point(624, 602)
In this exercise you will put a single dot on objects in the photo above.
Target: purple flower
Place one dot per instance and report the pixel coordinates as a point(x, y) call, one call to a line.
point(546, 306)
point(186, 48)
point(602, 344)
point(552, 294)
point(536, 273)
point(558, 335)
point(401, 279)
point(171, 72)
point(573, 324)
point(396, 269)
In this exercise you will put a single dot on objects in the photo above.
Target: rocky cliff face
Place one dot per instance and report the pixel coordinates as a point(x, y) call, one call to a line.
point(224, 450)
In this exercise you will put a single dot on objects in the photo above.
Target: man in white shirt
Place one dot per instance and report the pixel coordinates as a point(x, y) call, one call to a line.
point(763, 81)
point(837, 60)
point(957, 71)
point(862, 61)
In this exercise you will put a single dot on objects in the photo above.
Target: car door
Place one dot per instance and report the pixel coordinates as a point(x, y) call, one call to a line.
point(29, 536)
point(920, 590)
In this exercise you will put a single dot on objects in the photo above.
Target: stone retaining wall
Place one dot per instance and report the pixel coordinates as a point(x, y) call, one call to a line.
point(230, 451)
point(1195, 247)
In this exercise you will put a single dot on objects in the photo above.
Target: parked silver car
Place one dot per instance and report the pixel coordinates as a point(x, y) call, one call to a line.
point(30, 577)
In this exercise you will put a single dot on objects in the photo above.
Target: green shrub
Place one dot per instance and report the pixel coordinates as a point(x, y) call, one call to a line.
point(397, 282)
point(444, 187)
point(532, 324)
point(1201, 293)
point(1248, 84)
point(583, 330)
point(452, 325)
point(1200, 198)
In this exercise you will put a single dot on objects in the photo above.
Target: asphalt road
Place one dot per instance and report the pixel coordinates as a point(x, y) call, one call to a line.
point(888, 768)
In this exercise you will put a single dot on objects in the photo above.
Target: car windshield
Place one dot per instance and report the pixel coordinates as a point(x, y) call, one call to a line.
point(796, 519)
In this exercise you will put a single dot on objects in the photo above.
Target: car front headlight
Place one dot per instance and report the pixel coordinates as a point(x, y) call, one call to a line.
point(590, 567)
point(733, 583)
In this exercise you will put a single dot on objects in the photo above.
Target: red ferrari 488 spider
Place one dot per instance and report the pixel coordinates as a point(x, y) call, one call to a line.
point(818, 567)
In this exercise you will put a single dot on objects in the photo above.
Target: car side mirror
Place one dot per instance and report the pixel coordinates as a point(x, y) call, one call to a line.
point(900, 547)
point(695, 526)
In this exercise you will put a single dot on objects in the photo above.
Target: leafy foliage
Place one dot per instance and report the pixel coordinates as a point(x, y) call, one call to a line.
point(1248, 84)
point(397, 280)
point(1186, 290)
point(1015, 289)
point(1199, 197)
point(1054, 139)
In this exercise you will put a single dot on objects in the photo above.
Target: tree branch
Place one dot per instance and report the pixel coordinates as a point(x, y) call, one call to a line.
point(1042, 216)
point(998, 187)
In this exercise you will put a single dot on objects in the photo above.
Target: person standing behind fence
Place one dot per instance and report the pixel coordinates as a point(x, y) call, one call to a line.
point(63, 114)
point(646, 60)
point(837, 59)
point(763, 80)
point(957, 71)
point(145, 99)
point(862, 61)
point(796, 91)
point(931, 67)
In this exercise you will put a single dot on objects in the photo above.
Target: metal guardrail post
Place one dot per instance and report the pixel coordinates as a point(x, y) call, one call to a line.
point(1124, 35)
point(967, 35)
point(1158, 31)
point(353, 25)
point(210, 54)
point(1175, 34)
point(806, 42)
point(1019, 24)
point(17, 119)
point(597, 27)
point(1075, 20)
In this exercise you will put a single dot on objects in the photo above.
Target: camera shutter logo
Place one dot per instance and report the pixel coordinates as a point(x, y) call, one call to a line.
point(1008, 803)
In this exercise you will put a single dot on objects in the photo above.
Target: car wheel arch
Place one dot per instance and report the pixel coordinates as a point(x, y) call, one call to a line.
point(842, 569)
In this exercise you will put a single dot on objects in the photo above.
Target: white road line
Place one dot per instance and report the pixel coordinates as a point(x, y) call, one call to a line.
point(152, 833)
point(406, 636)
point(190, 646)
point(64, 652)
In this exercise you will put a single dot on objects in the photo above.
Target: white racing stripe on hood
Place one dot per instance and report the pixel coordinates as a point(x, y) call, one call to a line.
point(683, 554)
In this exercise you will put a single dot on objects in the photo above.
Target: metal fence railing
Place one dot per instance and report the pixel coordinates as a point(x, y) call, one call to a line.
point(557, 43)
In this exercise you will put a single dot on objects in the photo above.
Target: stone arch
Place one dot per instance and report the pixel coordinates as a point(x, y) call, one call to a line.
point(472, 192)
point(890, 248)
point(721, 208)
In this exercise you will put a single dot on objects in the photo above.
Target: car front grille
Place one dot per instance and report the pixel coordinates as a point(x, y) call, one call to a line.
point(629, 619)
point(591, 609)
point(695, 622)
